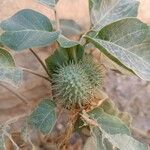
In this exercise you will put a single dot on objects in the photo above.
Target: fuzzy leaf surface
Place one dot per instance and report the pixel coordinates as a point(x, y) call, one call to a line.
point(66, 43)
point(109, 107)
point(126, 42)
point(102, 141)
point(124, 141)
point(27, 29)
point(70, 27)
point(44, 116)
point(104, 12)
point(8, 72)
point(110, 124)
point(49, 3)
point(6, 60)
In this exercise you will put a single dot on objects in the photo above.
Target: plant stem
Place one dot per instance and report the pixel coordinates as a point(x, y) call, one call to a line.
point(56, 19)
point(63, 141)
point(15, 93)
point(37, 74)
point(41, 62)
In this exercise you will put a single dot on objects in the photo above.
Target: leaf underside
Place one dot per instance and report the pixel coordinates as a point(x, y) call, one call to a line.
point(126, 42)
point(8, 72)
point(104, 12)
point(44, 116)
point(111, 133)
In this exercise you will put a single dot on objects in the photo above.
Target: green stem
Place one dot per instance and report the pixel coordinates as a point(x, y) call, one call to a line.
point(41, 62)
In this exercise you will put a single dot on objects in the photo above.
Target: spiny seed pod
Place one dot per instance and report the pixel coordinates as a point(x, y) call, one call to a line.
point(71, 85)
point(93, 71)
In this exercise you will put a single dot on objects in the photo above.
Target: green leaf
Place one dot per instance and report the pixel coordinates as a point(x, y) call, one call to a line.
point(11, 75)
point(6, 60)
point(1, 45)
point(96, 142)
point(59, 58)
point(100, 141)
point(49, 3)
point(63, 56)
point(124, 141)
point(66, 43)
point(126, 42)
point(104, 12)
point(27, 29)
point(110, 124)
point(44, 116)
point(70, 27)
point(8, 72)
point(111, 133)
point(76, 53)
point(109, 107)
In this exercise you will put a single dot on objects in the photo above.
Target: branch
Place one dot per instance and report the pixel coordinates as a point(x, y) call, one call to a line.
point(15, 93)
point(37, 74)
point(41, 62)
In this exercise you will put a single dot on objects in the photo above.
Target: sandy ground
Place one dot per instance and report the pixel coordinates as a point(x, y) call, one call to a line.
point(129, 93)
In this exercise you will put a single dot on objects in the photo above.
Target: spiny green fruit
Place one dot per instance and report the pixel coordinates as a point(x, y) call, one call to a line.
point(71, 85)
point(74, 84)
point(93, 71)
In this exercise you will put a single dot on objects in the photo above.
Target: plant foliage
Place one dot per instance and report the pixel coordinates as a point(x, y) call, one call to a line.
point(75, 75)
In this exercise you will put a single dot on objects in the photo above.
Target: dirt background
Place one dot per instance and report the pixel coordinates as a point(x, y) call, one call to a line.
point(129, 93)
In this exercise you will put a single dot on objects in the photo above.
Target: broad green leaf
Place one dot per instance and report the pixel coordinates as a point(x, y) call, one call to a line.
point(6, 60)
point(27, 29)
point(49, 3)
point(125, 142)
point(109, 107)
point(66, 43)
point(102, 141)
point(95, 142)
point(104, 12)
point(111, 133)
point(11, 75)
point(69, 27)
point(63, 56)
point(110, 124)
point(76, 53)
point(57, 59)
point(127, 42)
point(8, 72)
point(44, 116)
point(1, 45)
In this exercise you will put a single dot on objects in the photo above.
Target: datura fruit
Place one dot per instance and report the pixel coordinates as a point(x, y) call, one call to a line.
point(74, 84)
